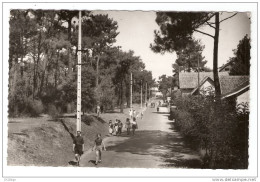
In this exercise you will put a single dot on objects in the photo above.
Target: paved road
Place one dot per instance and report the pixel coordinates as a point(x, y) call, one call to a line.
point(155, 145)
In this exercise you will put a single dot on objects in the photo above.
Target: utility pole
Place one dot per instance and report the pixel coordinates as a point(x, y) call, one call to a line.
point(149, 93)
point(141, 94)
point(198, 76)
point(145, 93)
point(131, 91)
point(79, 78)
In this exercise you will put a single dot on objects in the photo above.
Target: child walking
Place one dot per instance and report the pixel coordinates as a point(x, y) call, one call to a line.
point(98, 148)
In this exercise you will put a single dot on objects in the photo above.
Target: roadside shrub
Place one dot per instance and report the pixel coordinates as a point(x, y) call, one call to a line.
point(53, 112)
point(87, 119)
point(34, 108)
point(184, 122)
point(218, 127)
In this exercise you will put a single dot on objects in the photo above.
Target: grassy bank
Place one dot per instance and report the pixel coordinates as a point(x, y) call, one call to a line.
point(44, 142)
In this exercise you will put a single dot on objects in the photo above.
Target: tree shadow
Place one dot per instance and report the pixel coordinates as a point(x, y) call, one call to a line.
point(111, 112)
point(92, 161)
point(67, 129)
point(99, 119)
point(71, 116)
point(169, 146)
point(14, 122)
point(73, 163)
point(161, 112)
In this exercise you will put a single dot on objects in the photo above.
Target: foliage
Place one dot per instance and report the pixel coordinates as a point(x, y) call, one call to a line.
point(187, 58)
point(241, 62)
point(42, 61)
point(176, 29)
point(175, 34)
point(165, 84)
point(34, 107)
point(216, 127)
point(87, 119)
point(54, 112)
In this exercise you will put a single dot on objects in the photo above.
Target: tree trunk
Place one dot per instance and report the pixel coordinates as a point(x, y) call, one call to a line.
point(97, 71)
point(215, 58)
point(56, 70)
point(34, 72)
point(69, 50)
point(121, 98)
point(13, 88)
point(97, 76)
point(43, 72)
point(37, 75)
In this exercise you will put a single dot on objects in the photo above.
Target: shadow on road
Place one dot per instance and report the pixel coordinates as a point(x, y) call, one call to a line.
point(73, 163)
point(161, 112)
point(92, 161)
point(168, 146)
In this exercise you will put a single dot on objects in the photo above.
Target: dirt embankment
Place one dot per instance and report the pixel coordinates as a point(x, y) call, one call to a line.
point(44, 142)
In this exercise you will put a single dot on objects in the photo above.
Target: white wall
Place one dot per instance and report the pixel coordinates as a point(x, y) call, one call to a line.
point(243, 98)
point(207, 87)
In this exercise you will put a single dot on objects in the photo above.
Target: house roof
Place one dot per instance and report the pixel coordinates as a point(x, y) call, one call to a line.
point(202, 82)
point(244, 86)
point(189, 80)
point(230, 83)
point(225, 65)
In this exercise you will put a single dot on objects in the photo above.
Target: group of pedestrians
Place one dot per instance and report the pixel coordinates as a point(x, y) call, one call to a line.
point(78, 147)
point(115, 128)
point(134, 114)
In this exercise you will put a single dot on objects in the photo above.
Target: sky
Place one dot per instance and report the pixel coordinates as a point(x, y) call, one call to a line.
point(137, 33)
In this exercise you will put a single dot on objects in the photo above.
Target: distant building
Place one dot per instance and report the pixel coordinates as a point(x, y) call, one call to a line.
point(240, 93)
point(155, 92)
point(226, 67)
point(188, 81)
point(229, 85)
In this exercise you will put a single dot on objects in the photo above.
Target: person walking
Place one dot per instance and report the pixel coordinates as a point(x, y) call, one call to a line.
point(78, 146)
point(98, 110)
point(101, 109)
point(111, 127)
point(131, 113)
point(128, 126)
point(134, 126)
point(142, 114)
point(120, 126)
point(98, 143)
point(116, 127)
point(134, 114)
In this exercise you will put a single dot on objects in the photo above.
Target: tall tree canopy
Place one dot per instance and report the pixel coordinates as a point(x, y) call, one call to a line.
point(190, 58)
point(43, 55)
point(165, 84)
point(176, 29)
point(241, 62)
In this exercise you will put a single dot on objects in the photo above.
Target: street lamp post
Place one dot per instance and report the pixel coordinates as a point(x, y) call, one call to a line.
point(79, 78)
point(145, 93)
point(141, 94)
point(131, 91)
point(198, 76)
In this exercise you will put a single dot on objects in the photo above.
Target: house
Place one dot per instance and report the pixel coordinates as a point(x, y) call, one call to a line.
point(188, 81)
point(154, 91)
point(226, 67)
point(234, 89)
point(240, 93)
point(228, 84)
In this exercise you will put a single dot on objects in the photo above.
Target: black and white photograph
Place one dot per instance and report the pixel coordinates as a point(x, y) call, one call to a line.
point(166, 91)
